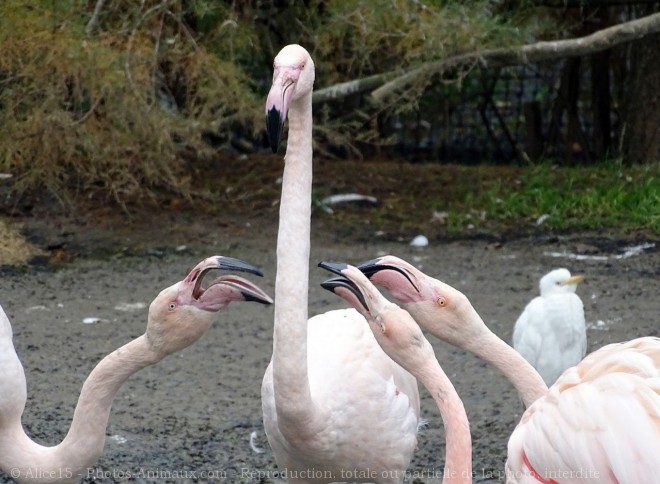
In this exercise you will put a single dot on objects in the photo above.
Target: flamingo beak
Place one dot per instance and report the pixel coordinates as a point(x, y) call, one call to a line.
point(342, 285)
point(372, 267)
point(222, 290)
point(231, 288)
point(278, 102)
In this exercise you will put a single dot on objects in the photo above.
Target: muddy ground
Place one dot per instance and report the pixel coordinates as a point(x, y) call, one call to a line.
point(195, 411)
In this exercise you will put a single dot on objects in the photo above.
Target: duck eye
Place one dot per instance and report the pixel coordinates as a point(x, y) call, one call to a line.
point(172, 306)
point(442, 302)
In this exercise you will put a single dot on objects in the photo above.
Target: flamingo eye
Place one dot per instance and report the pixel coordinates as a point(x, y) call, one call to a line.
point(442, 302)
point(172, 306)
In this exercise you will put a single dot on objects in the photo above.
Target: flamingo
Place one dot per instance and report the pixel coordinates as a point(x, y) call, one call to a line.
point(178, 317)
point(335, 406)
point(599, 422)
point(551, 333)
point(402, 339)
point(427, 300)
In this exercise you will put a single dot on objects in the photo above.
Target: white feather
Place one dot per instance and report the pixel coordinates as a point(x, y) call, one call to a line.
point(551, 332)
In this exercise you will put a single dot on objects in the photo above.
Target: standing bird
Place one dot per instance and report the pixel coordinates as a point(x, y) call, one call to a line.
point(178, 317)
point(402, 339)
point(335, 406)
point(599, 422)
point(551, 333)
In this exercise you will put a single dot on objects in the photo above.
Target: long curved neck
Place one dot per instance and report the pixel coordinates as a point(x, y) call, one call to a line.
point(510, 363)
point(470, 333)
point(458, 459)
point(84, 442)
point(290, 375)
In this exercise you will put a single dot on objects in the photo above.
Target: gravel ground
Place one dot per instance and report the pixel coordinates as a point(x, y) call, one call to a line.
point(192, 415)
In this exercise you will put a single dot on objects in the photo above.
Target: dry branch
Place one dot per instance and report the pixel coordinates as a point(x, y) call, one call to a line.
point(387, 83)
point(93, 24)
point(590, 3)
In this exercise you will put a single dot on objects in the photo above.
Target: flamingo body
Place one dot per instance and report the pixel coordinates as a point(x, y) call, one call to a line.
point(600, 422)
point(345, 361)
point(551, 332)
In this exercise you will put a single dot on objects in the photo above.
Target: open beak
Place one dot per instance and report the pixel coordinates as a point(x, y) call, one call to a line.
point(278, 101)
point(337, 284)
point(222, 290)
point(231, 288)
point(373, 266)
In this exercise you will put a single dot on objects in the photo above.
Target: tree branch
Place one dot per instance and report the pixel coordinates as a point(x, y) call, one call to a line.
point(590, 3)
point(345, 89)
point(390, 82)
point(93, 24)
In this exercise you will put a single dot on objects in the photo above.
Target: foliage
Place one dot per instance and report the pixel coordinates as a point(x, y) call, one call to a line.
point(569, 198)
point(128, 107)
point(115, 113)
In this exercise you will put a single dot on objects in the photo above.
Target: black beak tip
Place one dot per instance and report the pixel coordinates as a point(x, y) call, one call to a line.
point(334, 267)
point(329, 285)
point(370, 267)
point(249, 297)
point(274, 125)
point(233, 264)
point(336, 282)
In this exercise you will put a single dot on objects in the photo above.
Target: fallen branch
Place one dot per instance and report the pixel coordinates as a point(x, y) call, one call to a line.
point(93, 24)
point(345, 89)
point(390, 82)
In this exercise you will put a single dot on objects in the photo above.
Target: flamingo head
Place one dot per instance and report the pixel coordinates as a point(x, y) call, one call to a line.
point(183, 312)
point(293, 79)
point(439, 308)
point(393, 327)
point(559, 281)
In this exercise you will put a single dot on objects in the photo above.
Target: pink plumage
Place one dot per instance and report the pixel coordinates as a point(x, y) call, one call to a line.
point(600, 422)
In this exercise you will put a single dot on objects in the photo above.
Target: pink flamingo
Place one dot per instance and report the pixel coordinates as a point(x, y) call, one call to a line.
point(178, 317)
point(335, 406)
point(600, 421)
point(402, 339)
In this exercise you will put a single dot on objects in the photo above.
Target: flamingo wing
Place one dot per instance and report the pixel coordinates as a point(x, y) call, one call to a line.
point(600, 422)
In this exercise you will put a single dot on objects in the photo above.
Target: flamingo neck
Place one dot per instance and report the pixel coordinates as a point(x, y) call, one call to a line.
point(458, 459)
point(510, 363)
point(466, 330)
point(290, 375)
point(85, 440)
